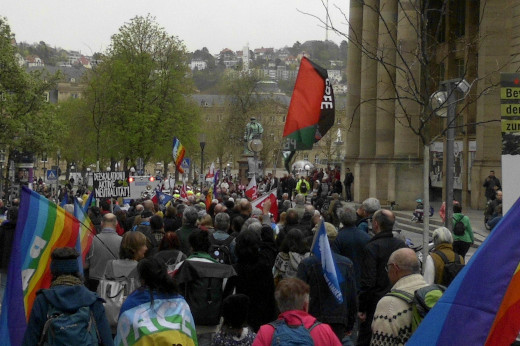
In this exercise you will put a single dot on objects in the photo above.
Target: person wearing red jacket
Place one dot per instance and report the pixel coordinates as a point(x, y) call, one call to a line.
point(292, 297)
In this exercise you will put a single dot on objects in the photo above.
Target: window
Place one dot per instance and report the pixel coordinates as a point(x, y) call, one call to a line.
point(74, 96)
point(316, 159)
point(46, 96)
point(306, 157)
point(459, 7)
point(283, 119)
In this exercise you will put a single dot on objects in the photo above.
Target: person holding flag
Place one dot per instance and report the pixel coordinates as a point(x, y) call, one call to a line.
point(332, 284)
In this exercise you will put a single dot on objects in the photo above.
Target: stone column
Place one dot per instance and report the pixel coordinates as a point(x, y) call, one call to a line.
point(494, 50)
point(367, 125)
point(354, 89)
point(386, 79)
point(406, 143)
point(354, 78)
point(367, 110)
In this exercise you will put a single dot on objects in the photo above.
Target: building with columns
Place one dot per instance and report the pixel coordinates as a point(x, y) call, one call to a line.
point(399, 53)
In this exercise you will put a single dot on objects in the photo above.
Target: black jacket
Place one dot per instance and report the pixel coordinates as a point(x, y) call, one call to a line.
point(374, 278)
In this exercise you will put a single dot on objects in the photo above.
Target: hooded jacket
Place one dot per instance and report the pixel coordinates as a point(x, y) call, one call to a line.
point(67, 299)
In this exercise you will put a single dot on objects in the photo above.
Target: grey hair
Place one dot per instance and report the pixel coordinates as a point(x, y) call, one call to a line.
point(347, 216)
point(255, 227)
point(442, 235)
point(286, 204)
point(248, 222)
point(190, 215)
point(371, 205)
point(222, 221)
point(300, 199)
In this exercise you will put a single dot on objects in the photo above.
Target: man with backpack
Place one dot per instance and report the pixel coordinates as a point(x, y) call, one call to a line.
point(442, 264)
point(222, 244)
point(67, 313)
point(295, 326)
point(462, 231)
point(202, 281)
point(392, 323)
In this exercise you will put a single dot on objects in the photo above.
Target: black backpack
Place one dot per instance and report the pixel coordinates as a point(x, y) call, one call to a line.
point(303, 187)
point(451, 269)
point(459, 228)
point(220, 249)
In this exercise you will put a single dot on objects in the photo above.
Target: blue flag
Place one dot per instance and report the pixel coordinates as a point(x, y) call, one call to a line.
point(321, 249)
point(162, 198)
point(65, 199)
point(89, 201)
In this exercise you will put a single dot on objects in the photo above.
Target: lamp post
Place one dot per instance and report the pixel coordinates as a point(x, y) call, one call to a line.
point(58, 156)
point(202, 141)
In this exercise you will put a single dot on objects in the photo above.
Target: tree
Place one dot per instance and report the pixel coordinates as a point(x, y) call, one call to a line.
point(27, 122)
point(139, 93)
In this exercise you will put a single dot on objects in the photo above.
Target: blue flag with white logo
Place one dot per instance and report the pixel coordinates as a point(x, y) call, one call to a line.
point(321, 249)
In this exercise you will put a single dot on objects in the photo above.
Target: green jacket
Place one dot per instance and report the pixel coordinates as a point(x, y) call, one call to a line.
point(468, 235)
point(300, 183)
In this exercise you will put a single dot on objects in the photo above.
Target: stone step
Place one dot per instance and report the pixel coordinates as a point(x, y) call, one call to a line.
point(403, 220)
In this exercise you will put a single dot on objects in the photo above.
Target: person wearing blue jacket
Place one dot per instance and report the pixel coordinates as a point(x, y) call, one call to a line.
point(67, 294)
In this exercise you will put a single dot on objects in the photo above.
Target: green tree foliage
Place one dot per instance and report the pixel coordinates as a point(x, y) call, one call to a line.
point(27, 122)
point(137, 97)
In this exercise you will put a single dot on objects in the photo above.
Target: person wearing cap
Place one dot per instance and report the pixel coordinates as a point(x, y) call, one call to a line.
point(322, 304)
point(66, 293)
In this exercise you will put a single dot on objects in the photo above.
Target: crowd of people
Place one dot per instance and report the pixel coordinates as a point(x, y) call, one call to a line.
point(229, 274)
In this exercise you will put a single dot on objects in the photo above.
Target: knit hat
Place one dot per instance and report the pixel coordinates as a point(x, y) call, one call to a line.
point(69, 265)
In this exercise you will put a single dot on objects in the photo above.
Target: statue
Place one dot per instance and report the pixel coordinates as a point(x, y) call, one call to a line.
point(254, 130)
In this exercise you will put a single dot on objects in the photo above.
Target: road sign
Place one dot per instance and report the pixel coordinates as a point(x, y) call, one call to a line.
point(186, 163)
point(52, 175)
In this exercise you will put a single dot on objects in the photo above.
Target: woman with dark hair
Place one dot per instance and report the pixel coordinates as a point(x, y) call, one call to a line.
point(254, 279)
point(292, 251)
point(171, 221)
point(234, 330)
point(169, 251)
point(236, 225)
point(66, 301)
point(156, 303)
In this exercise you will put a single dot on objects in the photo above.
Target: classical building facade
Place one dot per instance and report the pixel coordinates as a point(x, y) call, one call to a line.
point(397, 53)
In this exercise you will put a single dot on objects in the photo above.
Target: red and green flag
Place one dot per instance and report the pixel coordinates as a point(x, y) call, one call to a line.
point(311, 112)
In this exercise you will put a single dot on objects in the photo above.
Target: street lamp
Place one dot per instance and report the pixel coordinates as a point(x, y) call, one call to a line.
point(88, 177)
point(58, 156)
point(202, 141)
point(444, 104)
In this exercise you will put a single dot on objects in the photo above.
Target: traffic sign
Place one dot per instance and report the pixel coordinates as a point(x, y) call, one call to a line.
point(186, 163)
point(52, 175)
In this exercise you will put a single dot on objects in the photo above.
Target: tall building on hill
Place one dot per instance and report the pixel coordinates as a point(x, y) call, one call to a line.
point(470, 39)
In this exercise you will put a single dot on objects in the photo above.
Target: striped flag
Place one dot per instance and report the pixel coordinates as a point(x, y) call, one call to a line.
point(178, 154)
point(87, 231)
point(321, 249)
point(42, 226)
point(89, 201)
point(482, 304)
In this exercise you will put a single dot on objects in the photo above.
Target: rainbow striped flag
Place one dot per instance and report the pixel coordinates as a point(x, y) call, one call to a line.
point(482, 305)
point(178, 154)
point(87, 231)
point(42, 226)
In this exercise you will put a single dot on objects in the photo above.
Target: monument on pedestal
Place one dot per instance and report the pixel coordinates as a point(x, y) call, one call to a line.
point(249, 163)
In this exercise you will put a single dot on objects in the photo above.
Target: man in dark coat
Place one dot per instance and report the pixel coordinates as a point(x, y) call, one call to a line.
point(492, 185)
point(374, 279)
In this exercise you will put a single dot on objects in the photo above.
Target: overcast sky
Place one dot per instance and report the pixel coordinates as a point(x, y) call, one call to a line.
point(216, 24)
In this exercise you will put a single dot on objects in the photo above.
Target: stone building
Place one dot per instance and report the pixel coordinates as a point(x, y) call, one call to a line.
point(388, 83)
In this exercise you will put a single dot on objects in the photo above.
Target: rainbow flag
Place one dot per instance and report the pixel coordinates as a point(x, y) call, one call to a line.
point(482, 305)
point(178, 154)
point(89, 201)
point(42, 226)
point(87, 231)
